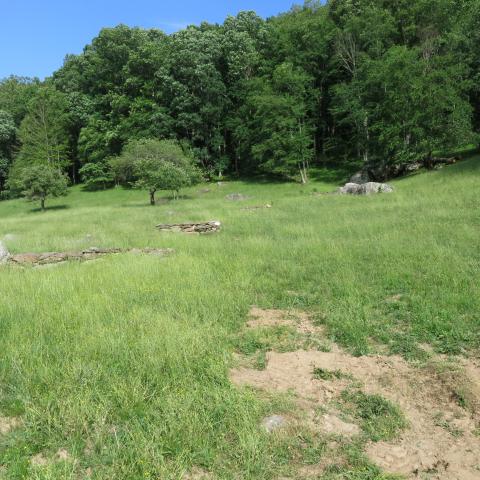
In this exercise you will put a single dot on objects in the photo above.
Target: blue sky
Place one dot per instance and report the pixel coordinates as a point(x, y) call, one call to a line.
point(35, 35)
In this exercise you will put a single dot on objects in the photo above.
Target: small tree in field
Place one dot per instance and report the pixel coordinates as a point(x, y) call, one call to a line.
point(40, 182)
point(160, 165)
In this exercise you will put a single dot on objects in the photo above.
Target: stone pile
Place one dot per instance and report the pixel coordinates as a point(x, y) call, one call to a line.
point(202, 227)
point(3, 253)
point(365, 188)
point(49, 258)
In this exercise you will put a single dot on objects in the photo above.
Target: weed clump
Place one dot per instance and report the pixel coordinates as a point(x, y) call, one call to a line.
point(380, 419)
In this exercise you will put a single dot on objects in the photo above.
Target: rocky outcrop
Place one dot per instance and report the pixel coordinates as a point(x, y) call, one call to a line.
point(381, 173)
point(3, 253)
point(365, 188)
point(202, 227)
point(50, 258)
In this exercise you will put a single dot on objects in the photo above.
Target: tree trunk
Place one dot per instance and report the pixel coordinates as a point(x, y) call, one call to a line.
point(303, 174)
point(237, 170)
point(428, 162)
point(42, 204)
point(152, 198)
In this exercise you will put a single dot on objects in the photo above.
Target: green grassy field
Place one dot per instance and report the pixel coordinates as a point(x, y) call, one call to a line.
point(124, 361)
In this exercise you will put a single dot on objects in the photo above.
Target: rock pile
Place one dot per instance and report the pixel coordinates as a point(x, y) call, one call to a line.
point(202, 227)
point(365, 188)
point(3, 253)
point(49, 258)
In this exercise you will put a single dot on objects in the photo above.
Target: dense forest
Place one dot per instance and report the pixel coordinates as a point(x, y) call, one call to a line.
point(370, 82)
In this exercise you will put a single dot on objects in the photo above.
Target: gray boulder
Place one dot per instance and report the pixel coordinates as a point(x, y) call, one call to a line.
point(3, 253)
point(365, 189)
point(350, 189)
point(274, 422)
point(374, 187)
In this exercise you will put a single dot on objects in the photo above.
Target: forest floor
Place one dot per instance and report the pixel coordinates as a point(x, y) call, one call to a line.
point(353, 320)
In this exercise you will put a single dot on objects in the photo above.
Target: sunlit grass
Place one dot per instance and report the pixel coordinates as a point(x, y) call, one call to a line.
point(123, 361)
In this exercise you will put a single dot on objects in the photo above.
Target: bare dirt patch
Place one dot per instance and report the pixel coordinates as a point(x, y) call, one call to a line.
point(440, 401)
point(7, 424)
point(334, 425)
point(197, 473)
point(39, 460)
point(260, 318)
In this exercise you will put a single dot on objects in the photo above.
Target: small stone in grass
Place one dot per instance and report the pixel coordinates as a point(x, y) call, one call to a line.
point(273, 422)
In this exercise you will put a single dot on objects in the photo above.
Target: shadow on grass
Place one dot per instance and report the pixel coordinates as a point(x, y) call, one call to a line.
point(47, 209)
point(468, 164)
point(260, 180)
point(159, 202)
point(332, 175)
point(329, 173)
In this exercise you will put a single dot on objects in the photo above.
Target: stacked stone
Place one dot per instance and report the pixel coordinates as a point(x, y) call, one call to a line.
point(37, 259)
point(202, 227)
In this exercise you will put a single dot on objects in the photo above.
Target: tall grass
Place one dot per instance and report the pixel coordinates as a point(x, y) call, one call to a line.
point(124, 361)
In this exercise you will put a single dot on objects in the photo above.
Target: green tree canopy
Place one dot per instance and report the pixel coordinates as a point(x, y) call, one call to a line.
point(159, 165)
point(42, 181)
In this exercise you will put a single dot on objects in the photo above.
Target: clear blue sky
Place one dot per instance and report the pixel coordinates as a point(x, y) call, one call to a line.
point(35, 35)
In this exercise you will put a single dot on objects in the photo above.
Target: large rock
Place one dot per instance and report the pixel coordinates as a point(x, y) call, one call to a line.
point(365, 189)
point(350, 189)
point(3, 253)
point(374, 187)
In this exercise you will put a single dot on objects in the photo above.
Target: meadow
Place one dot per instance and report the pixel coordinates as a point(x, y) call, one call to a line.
point(123, 362)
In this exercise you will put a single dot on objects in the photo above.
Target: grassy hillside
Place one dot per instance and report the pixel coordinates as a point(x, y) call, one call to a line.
point(123, 362)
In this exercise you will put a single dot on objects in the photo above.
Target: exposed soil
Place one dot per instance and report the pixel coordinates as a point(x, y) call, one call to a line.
point(7, 424)
point(197, 474)
point(259, 318)
point(40, 460)
point(440, 401)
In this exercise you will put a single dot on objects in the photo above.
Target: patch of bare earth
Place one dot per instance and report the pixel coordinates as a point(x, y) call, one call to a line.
point(260, 318)
point(197, 474)
point(40, 460)
point(7, 424)
point(441, 402)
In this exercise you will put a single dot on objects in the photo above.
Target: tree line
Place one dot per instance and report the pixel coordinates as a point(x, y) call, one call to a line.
point(373, 83)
